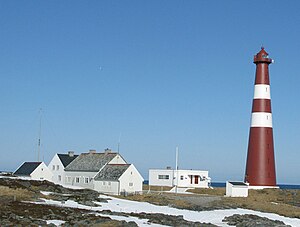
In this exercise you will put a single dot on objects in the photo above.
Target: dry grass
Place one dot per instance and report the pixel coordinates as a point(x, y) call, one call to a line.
point(17, 194)
point(159, 199)
point(283, 202)
point(208, 191)
point(156, 188)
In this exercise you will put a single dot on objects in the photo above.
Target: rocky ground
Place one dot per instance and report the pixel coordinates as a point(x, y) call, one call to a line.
point(17, 209)
point(14, 211)
point(250, 220)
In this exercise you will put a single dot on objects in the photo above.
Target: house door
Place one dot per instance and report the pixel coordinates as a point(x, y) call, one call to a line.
point(196, 179)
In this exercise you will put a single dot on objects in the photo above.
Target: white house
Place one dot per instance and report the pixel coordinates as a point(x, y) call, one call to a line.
point(34, 171)
point(236, 189)
point(118, 178)
point(57, 165)
point(180, 178)
point(82, 170)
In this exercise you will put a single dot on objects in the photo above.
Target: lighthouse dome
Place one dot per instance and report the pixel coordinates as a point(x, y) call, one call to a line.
point(262, 57)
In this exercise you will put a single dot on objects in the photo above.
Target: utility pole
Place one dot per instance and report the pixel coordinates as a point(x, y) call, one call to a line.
point(176, 170)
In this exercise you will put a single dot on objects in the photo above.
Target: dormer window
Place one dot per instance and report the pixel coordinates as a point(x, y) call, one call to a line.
point(265, 56)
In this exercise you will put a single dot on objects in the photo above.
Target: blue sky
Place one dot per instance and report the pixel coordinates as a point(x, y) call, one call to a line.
point(156, 74)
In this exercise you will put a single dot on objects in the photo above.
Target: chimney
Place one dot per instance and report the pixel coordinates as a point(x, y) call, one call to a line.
point(71, 153)
point(107, 151)
point(92, 151)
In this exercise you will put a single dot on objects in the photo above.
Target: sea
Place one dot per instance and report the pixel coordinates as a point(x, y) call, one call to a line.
point(223, 185)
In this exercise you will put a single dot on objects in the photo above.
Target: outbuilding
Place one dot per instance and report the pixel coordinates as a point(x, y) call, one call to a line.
point(34, 171)
point(119, 179)
point(236, 189)
point(180, 178)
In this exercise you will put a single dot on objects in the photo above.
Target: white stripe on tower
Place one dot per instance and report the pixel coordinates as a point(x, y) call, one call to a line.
point(262, 91)
point(261, 119)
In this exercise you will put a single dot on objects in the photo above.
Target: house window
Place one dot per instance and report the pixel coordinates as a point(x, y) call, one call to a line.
point(53, 167)
point(57, 167)
point(109, 183)
point(130, 184)
point(104, 182)
point(181, 177)
point(77, 179)
point(86, 180)
point(59, 177)
point(163, 177)
point(68, 179)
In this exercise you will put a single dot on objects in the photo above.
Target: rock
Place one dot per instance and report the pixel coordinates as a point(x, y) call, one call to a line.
point(252, 221)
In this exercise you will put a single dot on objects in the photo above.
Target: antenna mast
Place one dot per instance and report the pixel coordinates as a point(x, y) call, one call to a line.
point(40, 130)
point(119, 143)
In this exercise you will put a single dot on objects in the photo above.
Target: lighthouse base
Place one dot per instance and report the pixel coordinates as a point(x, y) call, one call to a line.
point(261, 187)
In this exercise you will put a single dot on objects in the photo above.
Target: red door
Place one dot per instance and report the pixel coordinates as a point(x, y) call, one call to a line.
point(196, 179)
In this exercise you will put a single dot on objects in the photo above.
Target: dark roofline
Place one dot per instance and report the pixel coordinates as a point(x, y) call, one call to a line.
point(238, 183)
point(66, 159)
point(27, 168)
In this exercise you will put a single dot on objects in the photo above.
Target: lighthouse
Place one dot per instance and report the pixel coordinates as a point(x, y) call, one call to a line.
point(260, 167)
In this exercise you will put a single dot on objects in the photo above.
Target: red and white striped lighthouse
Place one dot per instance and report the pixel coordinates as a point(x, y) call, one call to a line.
point(260, 168)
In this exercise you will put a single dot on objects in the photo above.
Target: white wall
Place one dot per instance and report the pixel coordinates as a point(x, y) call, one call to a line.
point(108, 187)
point(117, 160)
point(154, 177)
point(42, 172)
point(187, 178)
point(181, 178)
point(131, 180)
point(57, 169)
point(70, 179)
point(236, 190)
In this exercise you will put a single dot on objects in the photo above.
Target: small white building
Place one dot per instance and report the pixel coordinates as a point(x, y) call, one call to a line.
point(34, 171)
point(179, 178)
point(118, 178)
point(236, 189)
point(57, 165)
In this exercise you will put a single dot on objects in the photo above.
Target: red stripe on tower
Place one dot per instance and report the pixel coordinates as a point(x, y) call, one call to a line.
point(260, 167)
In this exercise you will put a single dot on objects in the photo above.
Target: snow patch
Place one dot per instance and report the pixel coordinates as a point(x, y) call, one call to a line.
point(55, 222)
point(46, 193)
point(214, 216)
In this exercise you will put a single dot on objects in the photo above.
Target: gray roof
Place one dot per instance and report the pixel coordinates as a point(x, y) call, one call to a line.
point(90, 162)
point(111, 172)
point(66, 159)
point(27, 168)
point(238, 183)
